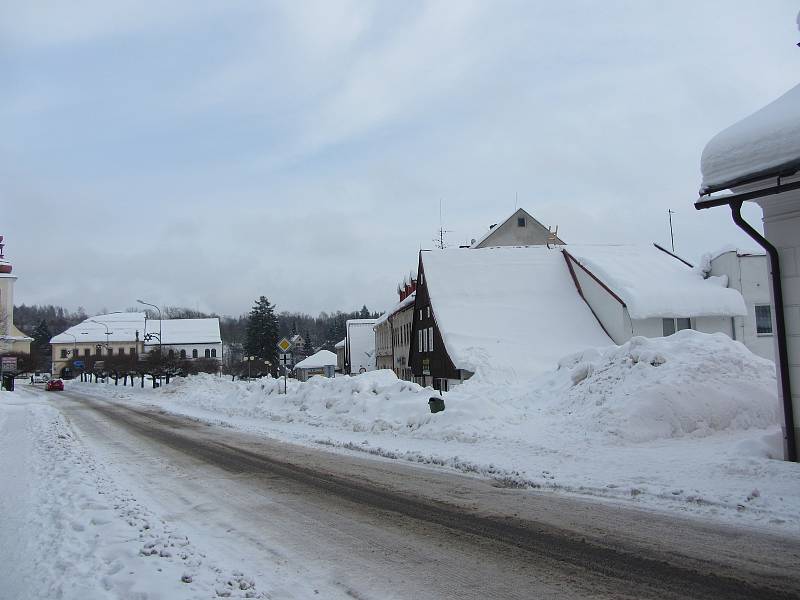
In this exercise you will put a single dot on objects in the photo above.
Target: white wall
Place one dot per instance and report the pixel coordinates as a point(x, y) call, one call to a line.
point(201, 348)
point(782, 229)
point(611, 314)
point(750, 275)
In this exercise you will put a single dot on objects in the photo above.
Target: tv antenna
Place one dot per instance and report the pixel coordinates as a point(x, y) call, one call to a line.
point(671, 212)
point(439, 241)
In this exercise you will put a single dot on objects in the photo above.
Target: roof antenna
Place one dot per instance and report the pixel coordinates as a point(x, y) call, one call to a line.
point(671, 236)
point(516, 200)
point(439, 241)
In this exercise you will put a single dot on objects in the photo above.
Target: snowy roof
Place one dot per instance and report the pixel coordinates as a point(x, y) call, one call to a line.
point(185, 331)
point(404, 303)
point(340, 344)
point(652, 283)
point(765, 144)
point(508, 308)
point(323, 358)
point(122, 327)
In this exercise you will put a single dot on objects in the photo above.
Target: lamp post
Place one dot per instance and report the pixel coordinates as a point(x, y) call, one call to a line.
point(74, 345)
point(160, 348)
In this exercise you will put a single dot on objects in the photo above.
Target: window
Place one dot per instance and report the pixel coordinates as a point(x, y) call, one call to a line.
point(520, 221)
point(429, 311)
point(763, 319)
point(208, 353)
point(420, 314)
point(430, 339)
point(86, 351)
point(131, 351)
point(171, 353)
point(183, 354)
point(63, 353)
point(97, 350)
point(110, 351)
point(213, 353)
point(670, 326)
point(194, 353)
point(121, 351)
point(419, 336)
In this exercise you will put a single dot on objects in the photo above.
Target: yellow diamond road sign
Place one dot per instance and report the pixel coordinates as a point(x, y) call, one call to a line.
point(284, 345)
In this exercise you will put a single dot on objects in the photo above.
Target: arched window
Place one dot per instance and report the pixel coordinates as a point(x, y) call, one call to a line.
point(194, 353)
point(171, 353)
point(208, 353)
point(183, 353)
point(213, 353)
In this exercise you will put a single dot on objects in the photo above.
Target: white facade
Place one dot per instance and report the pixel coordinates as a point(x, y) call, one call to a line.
point(748, 272)
point(360, 346)
point(11, 338)
point(520, 229)
point(782, 229)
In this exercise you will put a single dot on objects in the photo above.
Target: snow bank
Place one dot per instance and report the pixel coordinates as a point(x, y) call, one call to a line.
point(687, 384)
point(690, 384)
point(372, 401)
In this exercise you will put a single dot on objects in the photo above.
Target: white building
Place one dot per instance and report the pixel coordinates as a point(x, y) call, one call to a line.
point(11, 338)
point(132, 334)
point(320, 363)
point(519, 229)
point(340, 358)
point(758, 159)
point(748, 272)
point(359, 349)
point(643, 291)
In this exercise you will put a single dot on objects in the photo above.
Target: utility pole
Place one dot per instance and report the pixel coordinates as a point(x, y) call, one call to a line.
point(671, 212)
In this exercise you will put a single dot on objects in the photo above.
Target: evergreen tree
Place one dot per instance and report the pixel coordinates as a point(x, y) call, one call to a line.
point(308, 349)
point(41, 341)
point(364, 314)
point(294, 328)
point(262, 332)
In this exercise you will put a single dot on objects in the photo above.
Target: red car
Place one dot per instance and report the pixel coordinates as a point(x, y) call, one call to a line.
point(54, 385)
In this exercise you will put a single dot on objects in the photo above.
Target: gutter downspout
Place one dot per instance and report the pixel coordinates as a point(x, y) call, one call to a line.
point(780, 325)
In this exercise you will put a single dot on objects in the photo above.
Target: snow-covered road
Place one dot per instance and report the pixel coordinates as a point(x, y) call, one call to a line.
point(123, 501)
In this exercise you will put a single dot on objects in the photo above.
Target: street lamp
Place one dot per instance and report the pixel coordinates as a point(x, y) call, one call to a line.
point(108, 347)
point(160, 348)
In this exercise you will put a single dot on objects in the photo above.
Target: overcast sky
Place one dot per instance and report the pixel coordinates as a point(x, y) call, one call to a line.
point(204, 153)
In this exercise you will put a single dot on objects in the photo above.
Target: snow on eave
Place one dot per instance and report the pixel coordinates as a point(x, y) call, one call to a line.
point(764, 145)
point(653, 284)
point(340, 344)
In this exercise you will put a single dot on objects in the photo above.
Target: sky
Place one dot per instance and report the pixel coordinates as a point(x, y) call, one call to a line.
point(203, 154)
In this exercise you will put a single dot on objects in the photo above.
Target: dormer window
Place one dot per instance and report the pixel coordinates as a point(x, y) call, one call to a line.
point(520, 221)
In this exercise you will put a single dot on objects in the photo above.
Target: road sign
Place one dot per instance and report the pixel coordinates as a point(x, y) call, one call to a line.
point(284, 345)
point(285, 359)
point(98, 365)
point(9, 364)
point(78, 364)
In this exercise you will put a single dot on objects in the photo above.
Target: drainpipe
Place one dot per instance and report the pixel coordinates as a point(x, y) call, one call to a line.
point(780, 325)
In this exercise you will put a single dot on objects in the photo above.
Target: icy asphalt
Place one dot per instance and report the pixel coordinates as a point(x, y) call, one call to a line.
point(249, 515)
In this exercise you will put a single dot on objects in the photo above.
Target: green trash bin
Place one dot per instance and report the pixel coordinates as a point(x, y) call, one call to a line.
point(436, 404)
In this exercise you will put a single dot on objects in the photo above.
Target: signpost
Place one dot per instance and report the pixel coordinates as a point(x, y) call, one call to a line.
point(8, 364)
point(285, 360)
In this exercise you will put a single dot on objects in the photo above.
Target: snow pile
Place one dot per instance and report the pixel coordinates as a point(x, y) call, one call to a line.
point(764, 143)
point(372, 401)
point(654, 284)
point(687, 384)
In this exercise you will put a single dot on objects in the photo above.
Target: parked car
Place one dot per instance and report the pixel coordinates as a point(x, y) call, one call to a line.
point(41, 377)
point(54, 385)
